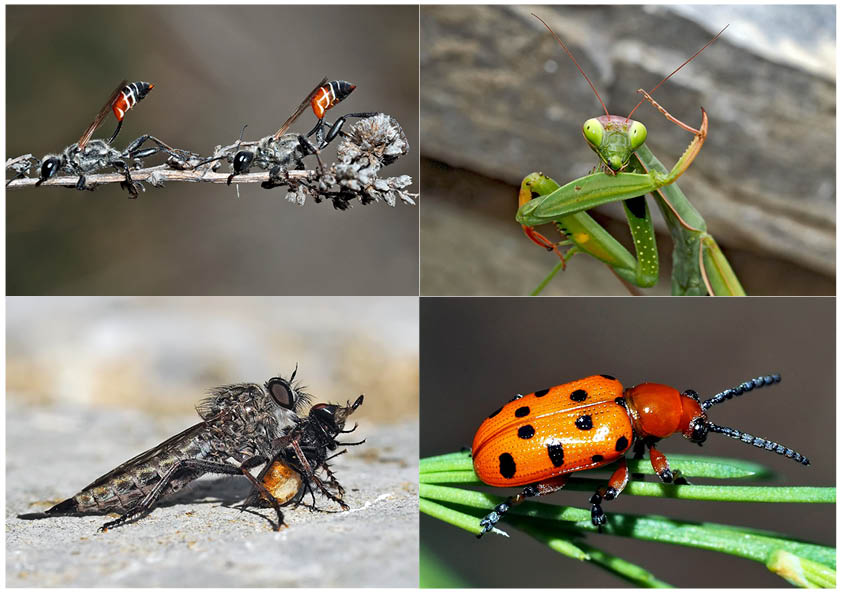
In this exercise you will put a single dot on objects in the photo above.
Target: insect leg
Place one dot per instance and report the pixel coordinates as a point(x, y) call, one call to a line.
point(616, 484)
point(662, 467)
point(530, 491)
point(337, 126)
point(311, 476)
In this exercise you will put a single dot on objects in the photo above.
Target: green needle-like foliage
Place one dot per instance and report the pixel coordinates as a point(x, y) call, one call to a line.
point(562, 527)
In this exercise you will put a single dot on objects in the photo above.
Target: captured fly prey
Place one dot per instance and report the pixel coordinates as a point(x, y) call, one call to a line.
point(245, 427)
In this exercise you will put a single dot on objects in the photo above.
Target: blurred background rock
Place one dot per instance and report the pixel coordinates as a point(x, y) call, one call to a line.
point(92, 382)
point(215, 68)
point(501, 99)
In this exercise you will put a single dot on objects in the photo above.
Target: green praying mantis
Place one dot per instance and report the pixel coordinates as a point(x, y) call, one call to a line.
point(629, 170)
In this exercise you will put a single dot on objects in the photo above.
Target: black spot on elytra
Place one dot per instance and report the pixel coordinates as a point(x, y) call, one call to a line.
point(621, 402)
point(578, 395)
point(608, 377)
point(495, 413)
point(541, 393)
point(556, 452)
point(507, 465)
point(622, 444)
point(522, 412)
point(597, 458)
point(525, 432)
point(584, 422)
point(637, 206)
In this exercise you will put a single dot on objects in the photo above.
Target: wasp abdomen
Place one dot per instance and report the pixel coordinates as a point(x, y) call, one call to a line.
point(130, 95)
point(329, 95)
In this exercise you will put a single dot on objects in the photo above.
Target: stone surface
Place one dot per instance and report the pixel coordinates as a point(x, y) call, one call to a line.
point(198, 539)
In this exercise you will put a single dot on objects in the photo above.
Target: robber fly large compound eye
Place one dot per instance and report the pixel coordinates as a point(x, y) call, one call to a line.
point(49, 168)
point(282, 392)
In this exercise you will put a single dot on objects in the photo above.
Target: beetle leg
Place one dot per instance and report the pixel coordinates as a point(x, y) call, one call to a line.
point(616, 484)
point(530, 491)
point(662, 467)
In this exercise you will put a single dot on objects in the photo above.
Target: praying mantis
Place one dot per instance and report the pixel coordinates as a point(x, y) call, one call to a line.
point(629, 170)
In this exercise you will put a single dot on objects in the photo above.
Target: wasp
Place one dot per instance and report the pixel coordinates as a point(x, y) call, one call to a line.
point(87, 156)
point(283, 151)
point(294, 471)
point(243, 427)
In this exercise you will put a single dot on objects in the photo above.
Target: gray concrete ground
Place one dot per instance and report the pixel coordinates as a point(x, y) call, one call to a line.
point(198, 538)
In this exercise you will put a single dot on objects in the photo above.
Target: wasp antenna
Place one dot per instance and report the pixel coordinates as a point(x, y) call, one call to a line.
point(759, 443)
point(569, 53)
point(715, 37)
point(745, 387)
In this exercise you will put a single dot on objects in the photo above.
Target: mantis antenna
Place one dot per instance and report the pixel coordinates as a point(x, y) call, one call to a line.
point(569, 53)
point(677, 69)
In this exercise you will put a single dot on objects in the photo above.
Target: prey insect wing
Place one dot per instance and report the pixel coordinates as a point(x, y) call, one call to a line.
point(86, 136)
point(300, 110)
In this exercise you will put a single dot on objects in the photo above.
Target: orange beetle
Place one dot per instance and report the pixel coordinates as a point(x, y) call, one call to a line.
point(538, 440)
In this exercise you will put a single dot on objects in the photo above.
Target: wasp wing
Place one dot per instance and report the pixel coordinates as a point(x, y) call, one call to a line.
point(300, 109)
point(86, 136)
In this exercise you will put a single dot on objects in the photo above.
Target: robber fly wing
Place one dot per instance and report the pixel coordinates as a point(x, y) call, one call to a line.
point(186, 435)
point(300, 109)
point(89, 132)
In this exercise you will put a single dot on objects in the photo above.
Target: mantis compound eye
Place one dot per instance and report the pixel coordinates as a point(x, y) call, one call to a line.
point(637, 135)
point(593, 131)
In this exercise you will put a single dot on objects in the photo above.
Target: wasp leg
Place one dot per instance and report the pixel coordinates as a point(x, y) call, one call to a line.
point(616, 484)
point(128, 183)
point(530, 491)
point(311, 476)
point(337, 126)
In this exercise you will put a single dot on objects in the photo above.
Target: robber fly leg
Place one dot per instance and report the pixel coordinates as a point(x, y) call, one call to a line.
point(337, 126)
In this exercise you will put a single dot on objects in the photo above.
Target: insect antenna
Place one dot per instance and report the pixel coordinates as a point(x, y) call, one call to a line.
point(745, 387)
point(569, 53)
point(759, 442)
point(738, 390)
point(677, 69)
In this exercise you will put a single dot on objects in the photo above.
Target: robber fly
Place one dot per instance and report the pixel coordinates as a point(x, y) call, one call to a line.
point(243, 426)
point(87, 156)
point(283, 151)
point(294, 470)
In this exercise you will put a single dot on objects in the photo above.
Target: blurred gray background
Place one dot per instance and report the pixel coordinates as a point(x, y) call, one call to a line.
point(215, 68)
point(477, 353)
point(501, 99)
point(92, 382)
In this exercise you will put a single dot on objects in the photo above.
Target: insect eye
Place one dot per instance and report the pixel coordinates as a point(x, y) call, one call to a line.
point(637, 135)
point(49, 168)
point(593, 131)
point(699, 431)
point(242, 160)
point(282, 392)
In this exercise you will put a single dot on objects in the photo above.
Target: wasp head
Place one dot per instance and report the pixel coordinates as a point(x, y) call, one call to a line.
point(49, 168)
